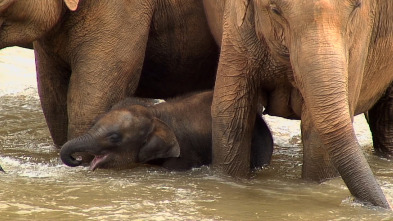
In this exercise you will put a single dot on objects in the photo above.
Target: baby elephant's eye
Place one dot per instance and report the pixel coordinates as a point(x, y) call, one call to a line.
point(115, 138)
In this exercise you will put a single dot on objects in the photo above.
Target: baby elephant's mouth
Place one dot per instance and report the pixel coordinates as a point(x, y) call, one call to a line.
point(98, 161)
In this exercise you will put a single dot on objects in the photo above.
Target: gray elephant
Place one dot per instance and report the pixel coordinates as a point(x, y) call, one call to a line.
point(175, 134)
point(319, 61)
point(91, 54)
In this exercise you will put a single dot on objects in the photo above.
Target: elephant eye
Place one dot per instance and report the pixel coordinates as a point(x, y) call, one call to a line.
point(358, 4)
point(275, 9)
point(115, 138)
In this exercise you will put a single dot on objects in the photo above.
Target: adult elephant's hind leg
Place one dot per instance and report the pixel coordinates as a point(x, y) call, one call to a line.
point(317, 165)
point(380, 120)
point(261, 144)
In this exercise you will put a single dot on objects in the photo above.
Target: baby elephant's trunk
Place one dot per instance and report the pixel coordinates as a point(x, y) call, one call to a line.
point(79, 144)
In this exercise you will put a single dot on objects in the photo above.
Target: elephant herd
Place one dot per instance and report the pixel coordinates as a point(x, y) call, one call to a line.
point(320, 61)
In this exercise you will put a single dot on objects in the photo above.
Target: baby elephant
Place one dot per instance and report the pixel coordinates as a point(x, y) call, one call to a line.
point(175, 134)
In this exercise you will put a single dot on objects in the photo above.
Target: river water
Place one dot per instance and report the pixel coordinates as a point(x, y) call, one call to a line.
point(37, 186)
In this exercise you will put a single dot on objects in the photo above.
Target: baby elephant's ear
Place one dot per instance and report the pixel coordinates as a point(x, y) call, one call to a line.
point(161, 143)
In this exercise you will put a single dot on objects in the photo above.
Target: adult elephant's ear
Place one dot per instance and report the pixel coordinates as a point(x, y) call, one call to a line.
point(161, 143)
point(241, 10)
point(72, 4)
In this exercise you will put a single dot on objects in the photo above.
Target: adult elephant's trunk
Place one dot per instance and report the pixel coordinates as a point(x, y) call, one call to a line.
point(79, 144)
point(319, 58)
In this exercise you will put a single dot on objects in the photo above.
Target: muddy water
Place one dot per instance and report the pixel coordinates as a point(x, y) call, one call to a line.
point(38, 187)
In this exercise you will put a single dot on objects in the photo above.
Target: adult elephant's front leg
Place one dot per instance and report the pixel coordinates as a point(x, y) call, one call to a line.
point(317, 165)
point(93, 92)
point(87, 101)
point(235, 97)
point(380, 119)
point(52, 83)
point(233, 113)
point(109, 68)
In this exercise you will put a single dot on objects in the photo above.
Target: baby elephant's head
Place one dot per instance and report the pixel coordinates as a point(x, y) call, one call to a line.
point(122, 138)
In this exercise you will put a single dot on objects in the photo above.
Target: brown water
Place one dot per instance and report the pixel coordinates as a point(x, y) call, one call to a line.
point(37, 186)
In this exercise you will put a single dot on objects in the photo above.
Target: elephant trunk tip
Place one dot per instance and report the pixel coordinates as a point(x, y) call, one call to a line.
point(68, 159)
point(71, 161)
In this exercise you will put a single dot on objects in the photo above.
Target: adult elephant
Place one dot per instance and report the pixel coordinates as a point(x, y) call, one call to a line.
point(90, 54)
point(322, 61)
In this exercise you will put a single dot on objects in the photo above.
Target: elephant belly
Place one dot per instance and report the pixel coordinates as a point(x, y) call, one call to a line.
point(181, 54)
point(378, 70)
point(374, 85)
point(284, 102)
point(160, 81)
point(370, 96)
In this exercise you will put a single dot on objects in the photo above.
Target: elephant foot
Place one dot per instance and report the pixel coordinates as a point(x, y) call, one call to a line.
point(387, 154)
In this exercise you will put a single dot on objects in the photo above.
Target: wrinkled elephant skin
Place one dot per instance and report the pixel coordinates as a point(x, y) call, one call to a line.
point(321, 61)
point(91, 54)
point(175, 134)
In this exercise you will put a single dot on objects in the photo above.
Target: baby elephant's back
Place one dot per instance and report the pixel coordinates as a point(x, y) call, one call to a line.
point(191, 114)
point(190, 118)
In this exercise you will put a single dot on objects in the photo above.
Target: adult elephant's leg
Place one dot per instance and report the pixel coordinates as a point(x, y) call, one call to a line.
point(380, 119)
point(52, 82)
point(233, 113)
point(90, 94)
point(235, 94)
point(317, 165)
point(261, 145)
point(112, 64)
